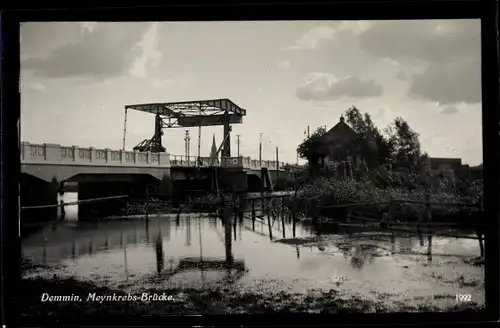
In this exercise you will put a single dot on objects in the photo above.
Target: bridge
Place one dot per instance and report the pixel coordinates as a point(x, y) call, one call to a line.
point(107, 172)
point(111, 172)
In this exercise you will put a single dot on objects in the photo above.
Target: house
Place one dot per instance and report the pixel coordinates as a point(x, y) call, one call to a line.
point(341, 143)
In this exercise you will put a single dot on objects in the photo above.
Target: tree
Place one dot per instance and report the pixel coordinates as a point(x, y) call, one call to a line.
point(311, 148)
point(376, 148)
point(407, 148)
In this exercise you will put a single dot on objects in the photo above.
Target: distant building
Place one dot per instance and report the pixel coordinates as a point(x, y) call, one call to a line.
point(341, 144)
point(440, 163)
point(473, 172)
point(455, 165)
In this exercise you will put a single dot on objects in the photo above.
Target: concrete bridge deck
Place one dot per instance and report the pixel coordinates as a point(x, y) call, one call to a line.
point(49, 161)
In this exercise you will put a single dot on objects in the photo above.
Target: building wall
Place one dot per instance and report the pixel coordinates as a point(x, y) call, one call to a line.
point(337, 137)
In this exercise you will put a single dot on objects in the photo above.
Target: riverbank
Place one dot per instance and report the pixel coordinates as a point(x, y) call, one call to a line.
point(271, 295)
point(191, 301)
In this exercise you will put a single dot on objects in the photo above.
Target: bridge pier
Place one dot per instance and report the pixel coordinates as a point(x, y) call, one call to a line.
point(165, 187)
point(37, 192)
point(254, 183)
point(233, 180)
point(91, 190)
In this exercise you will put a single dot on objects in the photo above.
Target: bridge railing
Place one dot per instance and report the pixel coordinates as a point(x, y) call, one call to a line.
point(57, 154)
point(54, 153)
point(244, 162)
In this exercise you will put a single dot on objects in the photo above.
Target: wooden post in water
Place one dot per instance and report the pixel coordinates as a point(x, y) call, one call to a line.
point(283, 226)
point(253, 214)
point(283, 207)
point(429, 247)
point(234, 225)
point(226, 214)
point(428, 212)
point(269, 225)
point(392, 210)
point(146, 208)
point(277, 168)
point(283, 215)
point(63, 210)
point(241, 207)
point(479, 227)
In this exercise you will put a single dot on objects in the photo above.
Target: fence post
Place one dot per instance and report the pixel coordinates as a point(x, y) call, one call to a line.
point(348, 214)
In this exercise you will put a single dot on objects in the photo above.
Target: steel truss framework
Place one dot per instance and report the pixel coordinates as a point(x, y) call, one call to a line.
point(193, 113)
point(188, 114)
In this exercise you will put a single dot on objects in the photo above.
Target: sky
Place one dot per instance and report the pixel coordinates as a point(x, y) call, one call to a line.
point(77, 77)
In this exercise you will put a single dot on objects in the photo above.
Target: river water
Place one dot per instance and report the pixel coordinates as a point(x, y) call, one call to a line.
point(188, 251)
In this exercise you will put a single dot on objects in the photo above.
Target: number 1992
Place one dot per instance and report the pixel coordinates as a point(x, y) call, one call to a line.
point(464, 297)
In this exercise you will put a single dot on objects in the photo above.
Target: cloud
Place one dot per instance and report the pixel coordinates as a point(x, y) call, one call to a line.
point(448, 83)
point(150, 57)
point(322, 86)
point(184, 82)
point(449, 110)
point(380, 112)
point(312, 38)
point(449, 51)
point(335, 30)
point(107, 51)
point(285, 64)
point(40, 39)
point(403, 76)
point(34, 86)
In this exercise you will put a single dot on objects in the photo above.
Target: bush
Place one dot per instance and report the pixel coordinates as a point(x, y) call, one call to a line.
point(402, 186)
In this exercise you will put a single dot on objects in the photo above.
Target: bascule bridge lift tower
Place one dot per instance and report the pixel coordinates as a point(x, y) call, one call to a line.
point(188, 114)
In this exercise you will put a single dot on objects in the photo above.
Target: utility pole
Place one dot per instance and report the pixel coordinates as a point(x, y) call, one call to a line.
point(260, 150)
point(199, 142)
point(308, 136)
point(187, 140)
point(277, 164)
point(238, 143)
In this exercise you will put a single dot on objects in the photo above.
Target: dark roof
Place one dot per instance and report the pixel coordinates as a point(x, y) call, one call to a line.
point(443, 160)
point(341, 128)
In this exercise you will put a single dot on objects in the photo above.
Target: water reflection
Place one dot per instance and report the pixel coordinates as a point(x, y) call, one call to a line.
point(429, 248)
point(224, 249)
point(159, 252)
point(358, 258)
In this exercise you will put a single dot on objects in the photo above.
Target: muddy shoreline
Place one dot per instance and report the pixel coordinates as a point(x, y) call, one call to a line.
point(225, 299)
point(192, 301)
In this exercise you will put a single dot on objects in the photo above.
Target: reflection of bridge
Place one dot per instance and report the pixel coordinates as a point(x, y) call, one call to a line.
point(65, 242)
